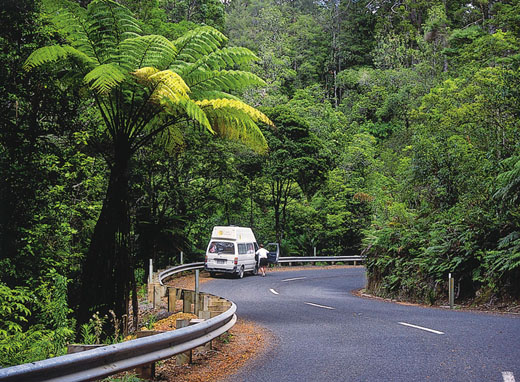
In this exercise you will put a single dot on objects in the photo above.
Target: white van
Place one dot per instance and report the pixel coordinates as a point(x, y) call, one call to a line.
point(231, 250)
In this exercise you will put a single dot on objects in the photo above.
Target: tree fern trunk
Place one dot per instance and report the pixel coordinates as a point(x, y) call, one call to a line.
point(106, 274)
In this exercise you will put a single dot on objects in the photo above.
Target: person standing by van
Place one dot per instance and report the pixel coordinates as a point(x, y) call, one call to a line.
point(262, 258)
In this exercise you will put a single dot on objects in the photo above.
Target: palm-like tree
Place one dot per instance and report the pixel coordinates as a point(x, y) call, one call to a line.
point(145, 87)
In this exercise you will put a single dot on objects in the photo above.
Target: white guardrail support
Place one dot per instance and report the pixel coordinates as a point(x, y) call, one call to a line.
point(107, 360)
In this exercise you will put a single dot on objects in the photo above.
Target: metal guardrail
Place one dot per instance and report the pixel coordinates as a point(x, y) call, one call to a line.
point(286, 259)
point(180, 268)
point(107, 360)
point(312, 259)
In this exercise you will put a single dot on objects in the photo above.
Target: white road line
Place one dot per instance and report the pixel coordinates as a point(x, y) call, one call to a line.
point(273, 291)
point(508, 376)
point(319, 306)
point(420, 327)
point(295, 278)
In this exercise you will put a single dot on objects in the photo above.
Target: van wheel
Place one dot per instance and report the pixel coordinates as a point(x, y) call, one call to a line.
point(255, 270)
point(240, 274)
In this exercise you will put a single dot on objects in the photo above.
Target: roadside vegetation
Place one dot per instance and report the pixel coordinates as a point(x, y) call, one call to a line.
point(129, 129)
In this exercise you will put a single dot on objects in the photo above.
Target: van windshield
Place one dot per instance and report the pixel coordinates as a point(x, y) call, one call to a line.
point(222, 247)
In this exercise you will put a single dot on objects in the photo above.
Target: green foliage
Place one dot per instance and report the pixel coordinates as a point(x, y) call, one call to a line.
point(13, 311)
point(52, 333)
point(91, 332)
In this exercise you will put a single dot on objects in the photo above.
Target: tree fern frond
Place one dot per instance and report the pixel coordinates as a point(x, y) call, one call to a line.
point(53, 53)
point(223, 80)
point(143, 74)
point(227, 58)
point(147, 51)
point(236, 120)
point(235, 124)
point(72, 23)
point(104, 77)
point(220, 59)
point(198, 43)
point(186, 106)
point(229, 105)
point(210, 94)
point(111, 24)
point(168, 85)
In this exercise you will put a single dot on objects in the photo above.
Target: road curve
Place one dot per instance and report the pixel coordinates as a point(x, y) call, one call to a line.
point(327, 334)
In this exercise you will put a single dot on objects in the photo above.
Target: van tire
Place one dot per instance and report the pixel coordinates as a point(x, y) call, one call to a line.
point(255, 270)
point(240, 273)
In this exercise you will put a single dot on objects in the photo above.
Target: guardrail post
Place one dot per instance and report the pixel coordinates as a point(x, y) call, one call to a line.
point(204, 307)
point(451, 290)
point(187, 301)
point(146, 371)
point(196, 303)
point(172, 299)
point(150, 293)
point(186, 357)
point(150, 272)
point(157, 294)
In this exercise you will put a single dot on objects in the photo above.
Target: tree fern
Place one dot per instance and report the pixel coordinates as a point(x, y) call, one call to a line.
point(145, 87)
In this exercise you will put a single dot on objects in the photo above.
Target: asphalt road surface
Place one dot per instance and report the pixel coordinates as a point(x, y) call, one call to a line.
point(324, 333)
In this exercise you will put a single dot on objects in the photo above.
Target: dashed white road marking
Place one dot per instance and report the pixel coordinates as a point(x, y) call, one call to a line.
point(508, 376)
point(320, 306)
point(295, 278)
point(421, 327)
point(273, 291)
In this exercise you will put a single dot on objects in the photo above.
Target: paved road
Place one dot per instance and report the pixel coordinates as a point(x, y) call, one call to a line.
point(327, 334)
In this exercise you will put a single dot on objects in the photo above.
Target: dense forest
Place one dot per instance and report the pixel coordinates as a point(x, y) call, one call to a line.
point(388, 128)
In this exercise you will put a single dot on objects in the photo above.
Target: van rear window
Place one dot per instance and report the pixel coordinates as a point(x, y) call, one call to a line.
point(222, 247)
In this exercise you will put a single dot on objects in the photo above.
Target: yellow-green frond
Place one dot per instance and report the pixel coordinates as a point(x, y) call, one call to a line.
point(236, 120)
point(230, 104)
point(104, 78)
point(143, 74)
point(54, 53)
point(168, 85)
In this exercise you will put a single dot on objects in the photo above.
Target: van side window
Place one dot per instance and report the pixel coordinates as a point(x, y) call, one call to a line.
point(222, 247)
point(250, 249)
point(242, 249)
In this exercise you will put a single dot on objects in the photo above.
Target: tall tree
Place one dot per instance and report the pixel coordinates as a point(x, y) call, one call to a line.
point(145, 88)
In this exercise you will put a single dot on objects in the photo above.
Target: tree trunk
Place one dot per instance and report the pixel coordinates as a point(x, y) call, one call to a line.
point(106, 274)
